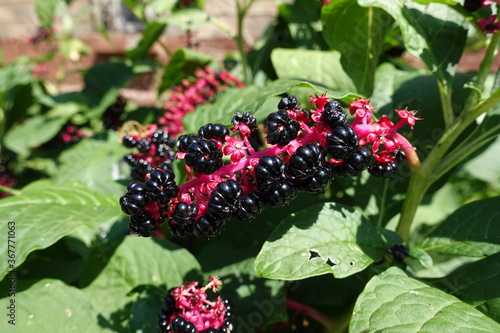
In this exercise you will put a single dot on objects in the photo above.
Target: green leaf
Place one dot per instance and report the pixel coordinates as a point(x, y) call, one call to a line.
point(254, 294)
point(305, 26)
point(394, 302)
point(147, 262)
point(149, 36)
point(183, 63)
point(321, 239)
point(45, 212)
point(105, 78)
point(68, 308)
point(187, 19)
point(434, 33)
point(472, 230)
point(444, 2)
point(101, 168)
point(485, 165)
point(476, 284)
point(358, 34)
point(45, 10)
point(37, 130)
point(317, 67)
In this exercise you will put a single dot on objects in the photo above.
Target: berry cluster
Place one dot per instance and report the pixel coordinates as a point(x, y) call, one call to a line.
point(187, 96)
point(154, 147)
point(188, 310)
point(305, 151)
point(155, 143)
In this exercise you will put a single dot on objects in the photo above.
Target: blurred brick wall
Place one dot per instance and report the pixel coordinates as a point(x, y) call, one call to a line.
point(18, 20)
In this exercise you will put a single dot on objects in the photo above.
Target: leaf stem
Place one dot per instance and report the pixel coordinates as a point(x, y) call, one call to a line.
point(484, 69)
point(242, 10)
point(383, 202)
point(308, 311)
point(445, 95)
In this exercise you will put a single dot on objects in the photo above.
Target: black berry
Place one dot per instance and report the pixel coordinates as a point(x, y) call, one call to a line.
point(248, 206)
point(209, 224)
point(472, 5)
point(305, 162)
point(269, 173)
point(289, 103)
point(281, 129)
point(342, 142)
point(184, 141)
point(355, 164)
point(244, 118)
point(224, 198)
point(213, 131)
point(334, 114)
point(161, 185)
point(204, 156)
point(282, 195)
point(142, 225)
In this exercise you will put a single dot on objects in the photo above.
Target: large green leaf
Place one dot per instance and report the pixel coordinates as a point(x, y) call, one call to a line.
point(37, 130)
point(476, 284)
point(394, 302)
point(149, 36)
point(139, 262)
point(435, 33)
point(473, 230)
point(44, 212)
point(317, 67)
point(68, 308)
point(358, 34)
point(304, 24)
point(321, 239)
point(100, 168)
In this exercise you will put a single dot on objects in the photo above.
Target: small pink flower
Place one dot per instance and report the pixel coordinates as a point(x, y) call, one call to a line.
point(407, 116)
point(235, 148)
point(489, 26)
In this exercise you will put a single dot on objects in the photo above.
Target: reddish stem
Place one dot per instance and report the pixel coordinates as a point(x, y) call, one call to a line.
point(308, 311)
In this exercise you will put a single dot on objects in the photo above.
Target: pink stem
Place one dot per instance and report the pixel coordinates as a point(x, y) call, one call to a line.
point(308, 311)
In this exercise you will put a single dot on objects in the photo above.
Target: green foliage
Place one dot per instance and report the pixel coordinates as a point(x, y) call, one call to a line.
point(321, 239)
point(329, 262)
point(394, 302)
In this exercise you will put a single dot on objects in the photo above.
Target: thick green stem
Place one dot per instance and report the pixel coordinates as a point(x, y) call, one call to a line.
point(446, 104)
point(422, 177)
point(419, 183)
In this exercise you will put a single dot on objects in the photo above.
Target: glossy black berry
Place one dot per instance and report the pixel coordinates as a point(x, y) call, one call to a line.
point(342, 142)
point(472, 5)
point(282, 195)
point(164, 150)
point(226, 327)
point(204, 156)
point(183, 218)
point(381, 169)
point(162, 137)
point(143, 145)
point(129, 142)
point(184, 141)
point(289, 102)
point(305, 162)
point(143, 166)
point(182, 325)
point(248, 206)
point(224, 198)
point(319, 181)
point(142, 225)
point(281, 129)
point(399, 155)
point(269, 173)
point(132, 203)
point(161, 185)
point(209, 224)
point(355, 164)
point(244, 118)
point(399, 252)
point(131, 161)
point(334, 114)
point(213, 131)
